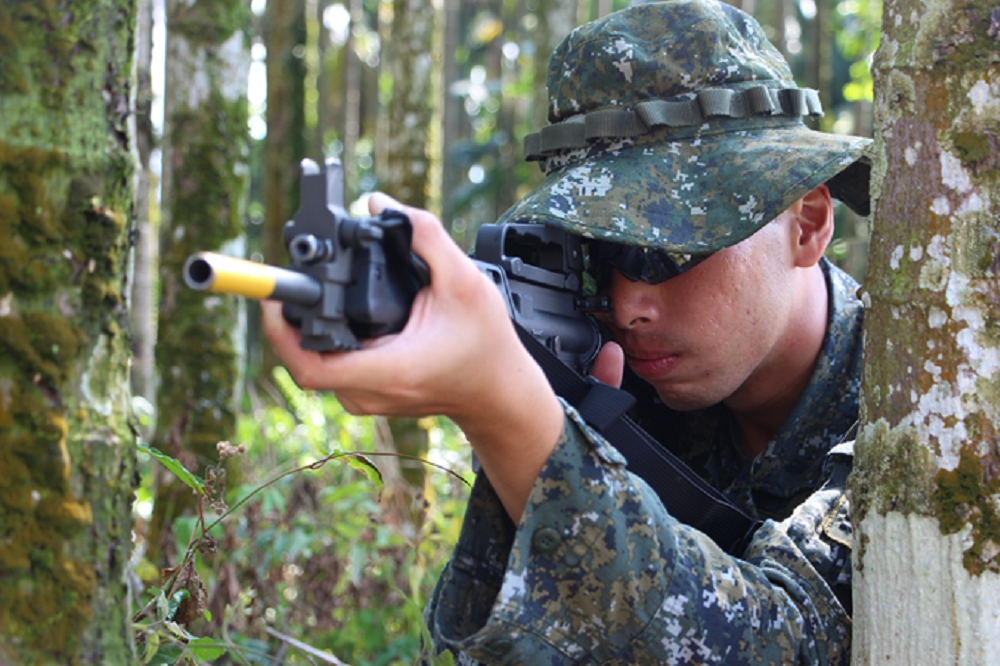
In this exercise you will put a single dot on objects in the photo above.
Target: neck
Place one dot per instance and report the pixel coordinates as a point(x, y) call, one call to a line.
point(762, 404)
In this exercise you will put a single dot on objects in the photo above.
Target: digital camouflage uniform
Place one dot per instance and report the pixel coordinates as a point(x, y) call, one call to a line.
point(672, 127)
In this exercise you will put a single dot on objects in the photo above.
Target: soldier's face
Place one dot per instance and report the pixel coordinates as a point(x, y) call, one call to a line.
point(717, 329)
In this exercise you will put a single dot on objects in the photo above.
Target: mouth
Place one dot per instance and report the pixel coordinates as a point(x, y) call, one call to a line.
point(652, 366)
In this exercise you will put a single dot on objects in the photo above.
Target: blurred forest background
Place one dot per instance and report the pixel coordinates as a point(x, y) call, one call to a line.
point(318, 561)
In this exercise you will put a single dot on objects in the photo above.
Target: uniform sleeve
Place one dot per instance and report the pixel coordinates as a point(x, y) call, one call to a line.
point(597, 572)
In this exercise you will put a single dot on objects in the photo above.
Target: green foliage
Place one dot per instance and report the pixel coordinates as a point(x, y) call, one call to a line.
point(341, 557)
point(178, 469)
point(857, 40)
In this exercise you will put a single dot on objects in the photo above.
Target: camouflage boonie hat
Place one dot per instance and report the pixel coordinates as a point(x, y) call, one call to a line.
point(677, 125)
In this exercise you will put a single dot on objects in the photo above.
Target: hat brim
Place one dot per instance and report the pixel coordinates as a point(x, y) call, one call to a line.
point(698, 194)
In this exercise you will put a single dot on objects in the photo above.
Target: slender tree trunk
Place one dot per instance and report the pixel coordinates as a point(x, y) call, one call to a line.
point(407, 62)
point(200, 340)
point(452, 112)
point(556, 19)
point(927, 481)
point(143, 310)
point(783, 11)
point(512, 107)
point(352, 100)
point(322, 83)
point(285, 143)
point(67, 461)
point(821, 63)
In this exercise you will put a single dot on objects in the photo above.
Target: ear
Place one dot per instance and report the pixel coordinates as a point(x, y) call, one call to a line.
point(812, 226)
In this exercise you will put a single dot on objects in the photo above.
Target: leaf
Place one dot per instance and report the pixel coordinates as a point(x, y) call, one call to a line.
point(192, 481)
point(175, 602)
point(206, 649)
point(162, 608)
point(166, 656)
point(152, 646)
point(364, 464)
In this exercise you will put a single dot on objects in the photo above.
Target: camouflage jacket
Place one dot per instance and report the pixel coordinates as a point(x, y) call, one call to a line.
point(597, 572)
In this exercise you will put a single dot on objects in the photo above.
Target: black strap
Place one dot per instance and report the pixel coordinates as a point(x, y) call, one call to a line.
point(684, 494)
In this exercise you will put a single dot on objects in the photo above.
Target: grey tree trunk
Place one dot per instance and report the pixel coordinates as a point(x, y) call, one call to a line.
point(143, 303)
point(926, 489)
point(67, 461)
point(200, 339)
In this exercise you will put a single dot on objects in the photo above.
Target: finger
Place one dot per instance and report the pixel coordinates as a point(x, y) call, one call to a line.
point(609, 366)
point(278, 331)
point(286, 342)
point(431, 242)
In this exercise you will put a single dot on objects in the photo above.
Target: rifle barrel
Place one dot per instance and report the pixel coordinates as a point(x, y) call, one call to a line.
point(209, 271)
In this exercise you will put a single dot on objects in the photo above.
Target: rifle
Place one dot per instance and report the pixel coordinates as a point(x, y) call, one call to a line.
point(351, 279)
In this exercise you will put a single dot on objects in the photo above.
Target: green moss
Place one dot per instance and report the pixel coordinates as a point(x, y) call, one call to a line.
point(27, 224)
point(892, 472)
point(195, 334)
point(964, 498)
point(971, 146)
point(64, 197)
point(209, 24)
point(42, 345)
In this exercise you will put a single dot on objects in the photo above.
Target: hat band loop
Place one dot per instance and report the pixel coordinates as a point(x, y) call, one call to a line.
point(616, 122)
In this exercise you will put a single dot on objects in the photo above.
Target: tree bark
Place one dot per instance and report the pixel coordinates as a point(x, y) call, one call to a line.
point(67, 461)
point(556, 19)
point(926, 489)
point(408, 62)
point(143, 302)
point(285, 143)
point(200, 339)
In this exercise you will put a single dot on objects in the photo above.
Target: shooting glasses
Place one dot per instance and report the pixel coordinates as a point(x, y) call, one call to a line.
point(649, 264)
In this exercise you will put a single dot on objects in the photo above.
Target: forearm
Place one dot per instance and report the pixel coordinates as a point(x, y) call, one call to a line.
point(516, 435)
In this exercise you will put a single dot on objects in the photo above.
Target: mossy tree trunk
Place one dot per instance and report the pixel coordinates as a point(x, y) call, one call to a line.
point(927, 480)
point(408, 63)
point(67, 457)
point(200, 338)
point(407, 68)
point(285, 144)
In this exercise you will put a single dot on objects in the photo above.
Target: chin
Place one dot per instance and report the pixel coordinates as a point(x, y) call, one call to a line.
point(687, 403)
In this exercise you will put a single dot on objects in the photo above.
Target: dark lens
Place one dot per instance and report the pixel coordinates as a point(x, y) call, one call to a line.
point(651, 265)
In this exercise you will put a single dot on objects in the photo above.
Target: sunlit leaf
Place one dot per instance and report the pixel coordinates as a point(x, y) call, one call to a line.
point(192, 481)
point(365, 465)
point(206, 649)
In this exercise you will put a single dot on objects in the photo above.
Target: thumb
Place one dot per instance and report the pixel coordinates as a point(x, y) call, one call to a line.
point(609, 366)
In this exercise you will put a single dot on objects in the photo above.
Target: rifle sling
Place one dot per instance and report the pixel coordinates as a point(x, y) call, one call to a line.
point(684, 494)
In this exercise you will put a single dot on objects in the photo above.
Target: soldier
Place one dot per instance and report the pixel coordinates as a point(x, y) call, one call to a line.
point(677, 148)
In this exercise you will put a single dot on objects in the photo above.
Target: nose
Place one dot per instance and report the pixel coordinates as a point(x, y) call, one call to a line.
point(634, 304)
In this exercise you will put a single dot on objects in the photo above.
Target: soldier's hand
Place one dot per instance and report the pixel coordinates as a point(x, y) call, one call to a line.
point(458, 356)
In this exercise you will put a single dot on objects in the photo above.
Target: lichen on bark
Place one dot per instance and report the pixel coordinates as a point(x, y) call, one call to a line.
point(932, 295)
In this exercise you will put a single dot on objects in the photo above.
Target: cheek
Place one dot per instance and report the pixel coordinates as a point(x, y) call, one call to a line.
point(733, 323)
